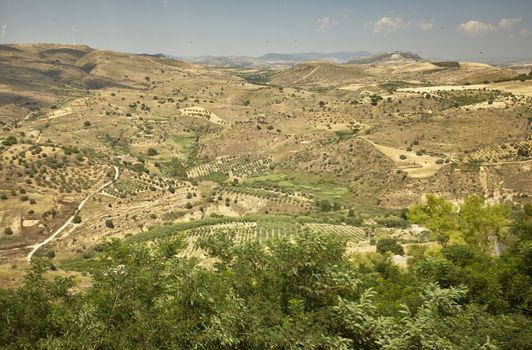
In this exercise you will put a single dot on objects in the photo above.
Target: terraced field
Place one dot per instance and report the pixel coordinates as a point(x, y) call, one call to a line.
point(505, 152)
point(269, 195)
point(264, 231)
point(351, 233)
point(203, 113)
point(234, 167)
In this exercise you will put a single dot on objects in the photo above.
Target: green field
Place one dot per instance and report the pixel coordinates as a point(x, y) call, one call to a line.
point(318, 187)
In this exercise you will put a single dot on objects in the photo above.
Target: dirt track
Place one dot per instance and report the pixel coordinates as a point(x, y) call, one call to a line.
point(65, 225)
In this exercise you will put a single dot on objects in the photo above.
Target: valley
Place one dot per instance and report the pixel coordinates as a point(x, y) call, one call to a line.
point(342, 148)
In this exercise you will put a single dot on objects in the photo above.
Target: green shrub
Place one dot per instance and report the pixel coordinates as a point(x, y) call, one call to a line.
point(10, 140)
point(389, 245)
point(76, 219)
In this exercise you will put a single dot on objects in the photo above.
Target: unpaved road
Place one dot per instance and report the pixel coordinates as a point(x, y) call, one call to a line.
point(62, 228)
point(308, 75)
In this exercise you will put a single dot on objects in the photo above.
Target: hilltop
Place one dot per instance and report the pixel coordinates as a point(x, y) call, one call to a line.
point(382, 57)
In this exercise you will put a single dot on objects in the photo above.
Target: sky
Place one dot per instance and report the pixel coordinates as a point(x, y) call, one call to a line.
point(500, 29)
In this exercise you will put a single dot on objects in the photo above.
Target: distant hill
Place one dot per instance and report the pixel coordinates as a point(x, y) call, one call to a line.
point(382, 57)
point(400, 66)
point(224, 61)
point(319, 74)
point(273, 59)
point(338, 57)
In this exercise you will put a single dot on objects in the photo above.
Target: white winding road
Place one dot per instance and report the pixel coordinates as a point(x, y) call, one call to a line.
point(62, 228)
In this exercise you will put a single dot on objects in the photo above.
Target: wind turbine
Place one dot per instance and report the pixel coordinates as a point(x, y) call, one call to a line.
point(74, 31)
point(4, 27)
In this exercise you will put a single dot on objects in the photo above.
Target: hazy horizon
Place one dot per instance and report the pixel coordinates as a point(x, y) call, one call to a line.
point(483, 30)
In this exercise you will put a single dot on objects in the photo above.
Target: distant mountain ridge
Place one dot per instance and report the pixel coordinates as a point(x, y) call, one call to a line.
point(381, 57)
point(338, 57)
point(270, 59)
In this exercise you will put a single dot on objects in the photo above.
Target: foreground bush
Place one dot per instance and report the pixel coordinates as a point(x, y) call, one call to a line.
point(298, 294)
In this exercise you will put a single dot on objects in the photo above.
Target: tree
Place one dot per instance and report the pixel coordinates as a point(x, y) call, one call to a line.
point(76, 219)
point(483, 225)
point(302, 292)
point(109, 223)
point(9, 141)
point(389, 245)
point(152, 152)
point(324, 205)
point(439, 216)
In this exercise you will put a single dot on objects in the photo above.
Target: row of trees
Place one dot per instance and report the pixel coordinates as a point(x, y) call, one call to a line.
point(304, 293)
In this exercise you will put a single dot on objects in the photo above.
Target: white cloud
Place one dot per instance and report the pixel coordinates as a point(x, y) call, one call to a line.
point(326, 22)
point(425, 25)
point(508, 23)
point(388, 25)
point(525, 33)
point(476, 27)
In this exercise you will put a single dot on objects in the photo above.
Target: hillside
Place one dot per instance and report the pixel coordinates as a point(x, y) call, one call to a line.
point(320, 73)
point(35, 77)
point(242, 147)
point(384, 68)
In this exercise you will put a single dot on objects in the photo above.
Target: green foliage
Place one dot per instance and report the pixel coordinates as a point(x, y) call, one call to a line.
point(438, 215)
point(447, 64)
point(393, 221)
point(389, 245)
point(375, 99)
point(393, 85)
point(216, 176)
point(139, 168)
point(261, 77)
point(174, 168)
point(520, 77)
point(76, 219)
point(483, 225)
point(299, 293)
point(473, 222)
point(35, 311)
point(324, 205)
point(9, 141)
